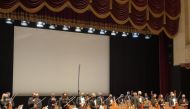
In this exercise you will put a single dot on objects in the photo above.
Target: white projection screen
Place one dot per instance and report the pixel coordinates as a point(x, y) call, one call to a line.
point(47, 61)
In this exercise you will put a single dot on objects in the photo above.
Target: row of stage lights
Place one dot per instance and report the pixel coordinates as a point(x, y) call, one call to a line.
point(90, 30)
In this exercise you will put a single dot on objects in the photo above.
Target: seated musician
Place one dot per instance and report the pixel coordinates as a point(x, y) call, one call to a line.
point(173, 100)
point(109, 101)
point(52, 102)
point(146, 96)
point(63, 101)
point(140, 100)
point(146, 103)
point(134, 99)
point(93, 102)
point(34, 102)
point(100, 101)
point(161, 101)
point(154, 100)
point(121, 99)
point(128, 97)
point(6, 100)
point(80, 101)
point(87, 98)
point(183, 102)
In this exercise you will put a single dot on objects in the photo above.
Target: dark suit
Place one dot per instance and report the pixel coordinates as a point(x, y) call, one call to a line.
point(52, 103)
point(183, 102)
point(5, 102)
point(134, 101)
point(172, 101)
point(63, 102)
point(93, 103)
point(34, 101)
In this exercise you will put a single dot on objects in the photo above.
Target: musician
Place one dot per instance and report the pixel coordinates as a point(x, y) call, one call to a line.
point(140, 100)
point(34, 102)
point(134, 99)
point(173, 100)
point(146, 96)
point(161, 101)
point(128, 98)
point(87, 99)
point(63, 100)
point(52, 102)
point(183, 101)
point(80, 101)
point(154, 100)
point(6, 100)
point(146, 103)
point(109, 101)
point(100, 100)
point(93, 102)
point(170, 96)
point(121, 99)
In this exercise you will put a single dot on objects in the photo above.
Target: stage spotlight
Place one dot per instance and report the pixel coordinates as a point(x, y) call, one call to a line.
point(24, 23)
point(52, 26)
point(65, 27)
point(91, 30)
point(147, 36)
point(78, 29)
point(9, 21)
point(124, 34)
point(135, 35)
point(103, 31)
point(40, 24)
point(113, 33)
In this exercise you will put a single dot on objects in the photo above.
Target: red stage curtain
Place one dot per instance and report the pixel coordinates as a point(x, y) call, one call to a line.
point(153, 16)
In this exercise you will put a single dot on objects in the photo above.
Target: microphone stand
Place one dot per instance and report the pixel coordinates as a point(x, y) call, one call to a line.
point(78, 84)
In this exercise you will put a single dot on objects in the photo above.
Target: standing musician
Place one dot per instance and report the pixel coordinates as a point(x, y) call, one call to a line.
point(63, 100)
point(34, 102)
point(52, 102)
point(184, 102)
point(6, 101)
point(161, 101)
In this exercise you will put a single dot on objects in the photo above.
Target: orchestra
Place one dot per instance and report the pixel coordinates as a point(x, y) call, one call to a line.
point(134, 100)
